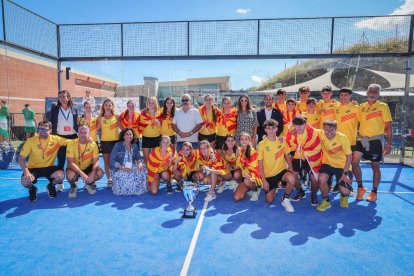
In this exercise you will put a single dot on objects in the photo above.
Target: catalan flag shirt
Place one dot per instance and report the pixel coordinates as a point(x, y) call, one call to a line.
point(335, 150)
point(347, 118)
point(130, 121)
point(166, 124)
point(272, 154)
point(281, 107)
point(92, 123)
point(227, 123)
point(83, 154)
point(209, 126)
point(158, 163)
point(328, 110)
point(42, 153)
point(287, 121)
point(215, 163)
point(373, 118)
point(109, 129)
point(187, 165)
point(148, 127)
point(313, 119)
point(250, 166)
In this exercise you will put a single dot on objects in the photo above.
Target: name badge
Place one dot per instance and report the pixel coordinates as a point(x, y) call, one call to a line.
point(67, 128)
point(128, 165)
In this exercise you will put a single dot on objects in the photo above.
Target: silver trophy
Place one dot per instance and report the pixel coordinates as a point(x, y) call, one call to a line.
point(190, 191)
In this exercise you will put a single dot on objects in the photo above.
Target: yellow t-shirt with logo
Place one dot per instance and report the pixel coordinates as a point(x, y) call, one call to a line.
point(93, 126)
point(313, 119)
point(301, 106)
point(272, 154)
point(109, 129)
point(87, 151)
point(166, 124)
point(148, 126)
point(335, 150)
point(328, 110)
point(42, 153)
point(373, 118)
point(347, 118)
point(281, 107)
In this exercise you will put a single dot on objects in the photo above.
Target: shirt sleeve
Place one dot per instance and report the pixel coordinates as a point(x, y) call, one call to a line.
point(199, 120)
point(26, 148)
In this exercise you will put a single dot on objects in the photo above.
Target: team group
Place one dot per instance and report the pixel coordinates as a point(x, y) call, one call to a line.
point(235, 146)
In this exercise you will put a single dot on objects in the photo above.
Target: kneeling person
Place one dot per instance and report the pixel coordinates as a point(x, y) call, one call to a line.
point(83, 161)
point(272, 166)
point(336, 160)
point(42, 151)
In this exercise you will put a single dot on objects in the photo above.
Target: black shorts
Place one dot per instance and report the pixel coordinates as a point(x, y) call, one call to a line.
point(329, 170)
point(210, 138)
point(87, 171)
point(107, 146)
point(220, 141)
point(43, 172)
point(375, 150)
point(173, 139)
point(299, 165)
point(274, 180)
point(353, 148)
point(150, 142)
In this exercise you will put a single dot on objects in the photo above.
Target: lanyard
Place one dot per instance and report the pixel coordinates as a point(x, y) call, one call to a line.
point(66, 117)
point(129, 154)
point(81, 154)
point(43, 149)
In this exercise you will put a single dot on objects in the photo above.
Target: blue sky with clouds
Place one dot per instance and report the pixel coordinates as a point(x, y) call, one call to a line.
point(244, 73)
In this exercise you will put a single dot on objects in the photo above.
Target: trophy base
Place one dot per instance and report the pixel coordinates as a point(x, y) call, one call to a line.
point(190, 214)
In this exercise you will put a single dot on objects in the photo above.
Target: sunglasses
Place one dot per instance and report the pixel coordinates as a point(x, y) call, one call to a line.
point(43, 129)
point(185, 100)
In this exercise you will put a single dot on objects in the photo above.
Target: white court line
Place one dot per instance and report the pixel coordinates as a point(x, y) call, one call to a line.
point(190, 252)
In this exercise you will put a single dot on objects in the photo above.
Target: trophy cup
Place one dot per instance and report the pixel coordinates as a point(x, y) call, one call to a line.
point(190, 191)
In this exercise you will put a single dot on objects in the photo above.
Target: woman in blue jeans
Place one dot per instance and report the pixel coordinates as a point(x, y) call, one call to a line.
point(128, 173)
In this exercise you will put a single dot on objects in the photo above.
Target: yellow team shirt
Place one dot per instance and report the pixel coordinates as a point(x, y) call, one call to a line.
point(335, 150)
point(230, 160)
point(329, 110)
point(209, 127)
point(93, 126)
point(109, 129)
point(313, 119)
point(281, 107)
point(272, 154)
point(42, 153)
point(227, 123)
point(373, 118)
point(148, 126)
point(301, 107)
point(87, 151)
point(347, 118)
point(166, 124)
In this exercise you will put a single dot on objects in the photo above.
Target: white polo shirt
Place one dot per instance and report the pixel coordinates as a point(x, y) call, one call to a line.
point(186, 122)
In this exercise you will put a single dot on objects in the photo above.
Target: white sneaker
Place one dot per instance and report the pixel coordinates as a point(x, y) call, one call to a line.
point(60, 187)
point(232, 184)
point(90, 188)
point(211, 195)
point(255, 195)
point(220, 188)
point(73, 191)
point(288, 206)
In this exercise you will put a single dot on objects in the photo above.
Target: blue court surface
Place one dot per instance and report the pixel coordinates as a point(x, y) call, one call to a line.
point(104, 234)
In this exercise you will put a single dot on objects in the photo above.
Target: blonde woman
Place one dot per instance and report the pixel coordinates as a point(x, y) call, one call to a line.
point(90, 120)
point(149, 127)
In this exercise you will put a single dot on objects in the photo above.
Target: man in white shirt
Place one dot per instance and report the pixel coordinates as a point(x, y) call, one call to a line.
point(187, 122)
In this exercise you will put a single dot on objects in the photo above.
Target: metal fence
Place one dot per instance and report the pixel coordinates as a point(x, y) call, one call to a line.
point(254, 38)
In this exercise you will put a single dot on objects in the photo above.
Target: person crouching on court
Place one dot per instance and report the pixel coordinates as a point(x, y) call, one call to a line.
point(336, 160)
point(272, 165)
point(83, 160)
point(42, 151)
point(185, 164)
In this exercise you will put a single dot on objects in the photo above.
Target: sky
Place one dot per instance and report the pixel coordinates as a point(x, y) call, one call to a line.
point(243, 73)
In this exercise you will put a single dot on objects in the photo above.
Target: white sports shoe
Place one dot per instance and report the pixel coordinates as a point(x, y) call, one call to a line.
point(60, 187)
point(220, 188)
point(288, 206)
point(211, 195)
point(255, 195)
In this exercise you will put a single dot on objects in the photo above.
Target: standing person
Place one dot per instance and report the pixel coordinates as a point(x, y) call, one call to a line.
point(42, 151)
point(4, 125)
point(288, 114)
point(29, 121)
point(267, 113)
point(375, 121)
point(336, 160)
point(89, 98)
point(209, 113)
point(149, 127)
point(226, 123)
point(128, 173)
point(83, 161)
point(347, 117)
point(187, 122)
point(326, 106)
point(130, 119)
point(247, 161)
point(90, 120)
point(280, 102)
point(109, 124)
point(160, 163)
point(272, 166)
point(304, 140)
point(166, 116)
point(304, 93)
point(313, 118)
point(246, 119)
point(64, 118)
